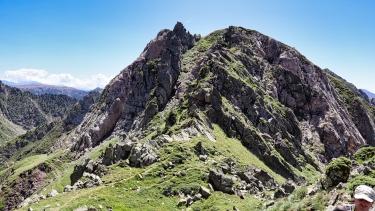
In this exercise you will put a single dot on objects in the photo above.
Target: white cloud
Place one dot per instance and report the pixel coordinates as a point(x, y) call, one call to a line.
point(42, 76)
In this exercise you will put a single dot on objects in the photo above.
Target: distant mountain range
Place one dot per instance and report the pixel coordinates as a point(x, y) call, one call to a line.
point(13, 84)
point(38, 89)
point(368, 93)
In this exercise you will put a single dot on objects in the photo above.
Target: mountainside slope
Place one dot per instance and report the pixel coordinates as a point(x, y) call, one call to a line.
point(29, 110)
point(257, 89)
point(8, 130)
point(45, 138)
point(235, 118)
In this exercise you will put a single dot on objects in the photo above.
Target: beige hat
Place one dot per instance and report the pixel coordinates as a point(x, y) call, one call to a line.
point(364, 192)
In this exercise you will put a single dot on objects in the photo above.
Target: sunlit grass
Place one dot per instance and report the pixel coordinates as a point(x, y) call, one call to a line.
point(128, 188)
point(26, 164)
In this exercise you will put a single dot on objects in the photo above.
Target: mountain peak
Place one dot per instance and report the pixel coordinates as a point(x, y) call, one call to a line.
point(179, 29)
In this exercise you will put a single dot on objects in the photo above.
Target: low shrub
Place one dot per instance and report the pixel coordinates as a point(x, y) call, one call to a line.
point(360, 180)
point(364, 154)
point(338, 170)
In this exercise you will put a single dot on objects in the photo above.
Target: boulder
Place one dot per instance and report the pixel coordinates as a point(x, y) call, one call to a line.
point(279, 193)
point(199, 150)
point(333, 198)
point(82, 208)
point(269, 203)
point(68, 188)
point(92, 208)
point(142, 155)
point(182, 202)
point(205, 192)
point(289, 186)
point(52, 193)
point(203, 157)
point(88, 166)
point(197, 197)
point(221, 182)
point(266, 179)
point(312, 190)
point(245, 176)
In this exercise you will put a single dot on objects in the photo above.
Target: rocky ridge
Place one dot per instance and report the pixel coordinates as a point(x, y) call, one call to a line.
point(255, 88)
point(278, 96)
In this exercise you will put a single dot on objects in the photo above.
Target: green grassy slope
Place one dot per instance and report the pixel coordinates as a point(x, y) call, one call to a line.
point(119, 189)
point(8, 130)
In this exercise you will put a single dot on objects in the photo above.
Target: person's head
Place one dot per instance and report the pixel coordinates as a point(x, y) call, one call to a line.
point(363, 198)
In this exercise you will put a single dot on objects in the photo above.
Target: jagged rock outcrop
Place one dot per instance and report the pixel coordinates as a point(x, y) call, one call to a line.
point(297, 84)
point(142, 155)
point(87, 166)
point(90, 180)
point(144, 86)
point(221, 182)
point(358, 106)
point(253, 181)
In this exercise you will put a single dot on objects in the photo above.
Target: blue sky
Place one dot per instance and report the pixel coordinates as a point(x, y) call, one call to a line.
point(85, 43)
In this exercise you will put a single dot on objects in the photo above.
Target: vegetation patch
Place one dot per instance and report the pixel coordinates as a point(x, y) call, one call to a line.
point(153, 65)
point(364, 154)
point(298, 200)
point(338, 170)
point(345, 92)
point(361, 180)
point(26, 164)
point(190, 57)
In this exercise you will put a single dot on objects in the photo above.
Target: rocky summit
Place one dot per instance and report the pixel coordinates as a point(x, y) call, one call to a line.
point(234, 120)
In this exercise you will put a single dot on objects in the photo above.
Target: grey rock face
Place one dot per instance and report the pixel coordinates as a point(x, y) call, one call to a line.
point(305, 89)
point(128, 95)
point(87, 166)
point(221, 182)
point(205, 192)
